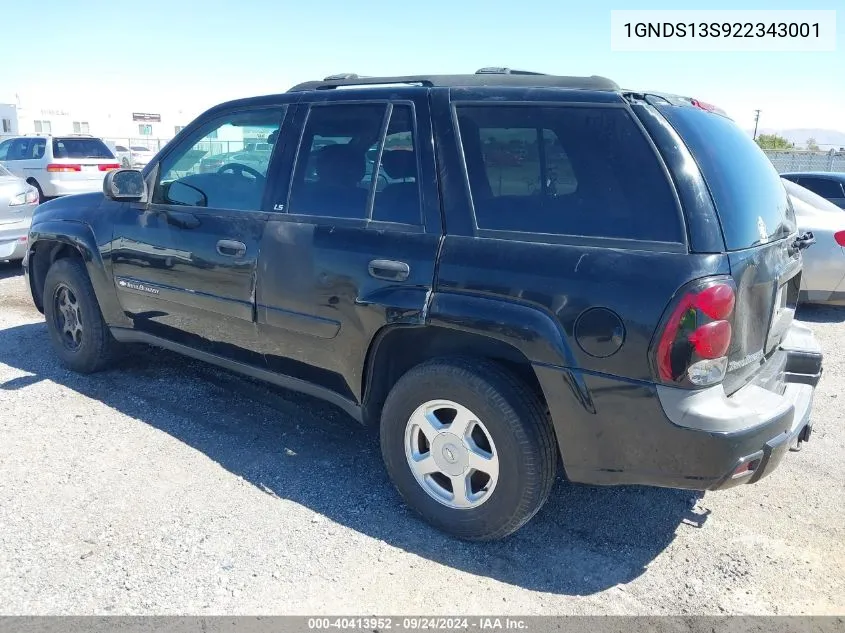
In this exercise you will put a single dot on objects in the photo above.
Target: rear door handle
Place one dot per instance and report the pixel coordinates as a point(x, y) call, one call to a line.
point(389, 269)
point(231, 248)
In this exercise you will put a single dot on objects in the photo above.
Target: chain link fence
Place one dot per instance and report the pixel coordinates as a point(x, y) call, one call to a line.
point(805, 160)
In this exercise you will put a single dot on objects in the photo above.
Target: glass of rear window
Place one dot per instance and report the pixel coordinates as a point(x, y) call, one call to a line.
point(80, 148)
point(750, 199)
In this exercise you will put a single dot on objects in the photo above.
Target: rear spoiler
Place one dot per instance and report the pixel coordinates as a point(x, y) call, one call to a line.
point(677, 100)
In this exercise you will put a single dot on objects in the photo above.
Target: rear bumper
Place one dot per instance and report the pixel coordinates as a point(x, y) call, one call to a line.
point(54, 187)
point(13, 239)
point(619, 432)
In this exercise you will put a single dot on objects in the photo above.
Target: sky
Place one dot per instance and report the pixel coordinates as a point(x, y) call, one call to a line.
point(146, 54)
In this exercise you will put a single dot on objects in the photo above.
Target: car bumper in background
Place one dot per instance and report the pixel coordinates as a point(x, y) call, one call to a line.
point(611, 431)
point(13, 239)
point(58, 187)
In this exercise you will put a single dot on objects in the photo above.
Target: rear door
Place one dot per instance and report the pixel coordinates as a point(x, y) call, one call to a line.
point(344, 252)
point(759, 228)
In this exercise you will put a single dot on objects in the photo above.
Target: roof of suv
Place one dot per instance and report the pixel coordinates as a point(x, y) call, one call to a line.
point(499, 77)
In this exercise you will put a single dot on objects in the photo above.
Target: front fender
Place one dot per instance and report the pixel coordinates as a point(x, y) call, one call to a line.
point(56, 234)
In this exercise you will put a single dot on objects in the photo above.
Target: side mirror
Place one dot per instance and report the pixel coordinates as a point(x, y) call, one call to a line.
point(184, 194)
point(125, 185)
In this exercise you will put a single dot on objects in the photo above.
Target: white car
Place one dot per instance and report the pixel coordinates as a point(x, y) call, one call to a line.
point(17, 202)
point(140, 156)
point(121, 153)
point(58, 165)
point(823, 278)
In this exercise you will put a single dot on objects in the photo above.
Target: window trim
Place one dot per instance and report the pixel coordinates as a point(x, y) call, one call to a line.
point(365, 222)
point(565, 238)
point(195, 132)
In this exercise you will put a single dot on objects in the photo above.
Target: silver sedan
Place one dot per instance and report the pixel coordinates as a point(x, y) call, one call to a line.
point(17, 202)
point(823, 279)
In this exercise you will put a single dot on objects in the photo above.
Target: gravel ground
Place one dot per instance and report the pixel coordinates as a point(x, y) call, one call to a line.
point(165, 486)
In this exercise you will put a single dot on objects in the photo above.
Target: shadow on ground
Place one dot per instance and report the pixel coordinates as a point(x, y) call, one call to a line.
point(586, 539)
point(10, 269)
point(820, 313)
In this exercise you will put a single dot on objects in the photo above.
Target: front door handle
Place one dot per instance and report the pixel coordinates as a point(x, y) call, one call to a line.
point(231, 248)
point(389, 269)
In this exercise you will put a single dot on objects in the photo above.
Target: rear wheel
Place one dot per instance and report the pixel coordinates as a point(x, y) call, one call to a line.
point(79, 335)
point(469, 447)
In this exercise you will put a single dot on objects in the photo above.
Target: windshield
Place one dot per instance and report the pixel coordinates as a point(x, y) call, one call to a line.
point(80, 148)
point(812, 199)
point(750, 200)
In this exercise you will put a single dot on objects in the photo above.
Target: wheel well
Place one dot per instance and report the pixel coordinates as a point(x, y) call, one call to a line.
point(399, 349)
point(44, 254)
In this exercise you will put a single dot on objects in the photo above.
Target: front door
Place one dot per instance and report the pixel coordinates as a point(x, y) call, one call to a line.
point(184, 264)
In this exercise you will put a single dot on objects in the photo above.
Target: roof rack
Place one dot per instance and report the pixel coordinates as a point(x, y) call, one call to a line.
point(492, 76)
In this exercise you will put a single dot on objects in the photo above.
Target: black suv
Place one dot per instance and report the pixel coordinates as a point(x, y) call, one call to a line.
point(500, 271)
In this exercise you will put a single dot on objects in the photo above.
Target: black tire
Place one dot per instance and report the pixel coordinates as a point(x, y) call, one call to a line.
point(96, 347)
point(518, 425)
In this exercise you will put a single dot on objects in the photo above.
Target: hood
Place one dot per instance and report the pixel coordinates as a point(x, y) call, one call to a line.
point(77, 207)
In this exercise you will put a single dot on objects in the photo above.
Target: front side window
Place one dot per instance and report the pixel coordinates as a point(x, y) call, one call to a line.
point(579, 171)
point(26, 149)
point(218, 166)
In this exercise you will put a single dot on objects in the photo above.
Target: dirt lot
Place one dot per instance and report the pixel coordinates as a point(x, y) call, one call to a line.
point(167, 486)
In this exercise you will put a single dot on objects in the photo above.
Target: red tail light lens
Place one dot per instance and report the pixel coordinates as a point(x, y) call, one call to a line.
point(840, 238)
point(109, 167)
point(62, 167)
point(694, 339)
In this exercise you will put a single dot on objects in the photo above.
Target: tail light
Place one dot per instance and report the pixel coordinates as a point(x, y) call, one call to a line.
point(109, 167)
point(840, 238)
point(691, 346)
point(63, 167)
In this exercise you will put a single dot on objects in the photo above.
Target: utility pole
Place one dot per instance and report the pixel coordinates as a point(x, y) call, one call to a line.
point(756, 119)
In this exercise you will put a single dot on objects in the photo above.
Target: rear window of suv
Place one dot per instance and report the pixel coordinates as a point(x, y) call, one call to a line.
point(568, 171)
point(750, 199)
point(80, 148)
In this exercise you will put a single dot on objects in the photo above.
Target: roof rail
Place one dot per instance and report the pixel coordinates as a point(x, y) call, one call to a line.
point(495, 70)
point(492, 76)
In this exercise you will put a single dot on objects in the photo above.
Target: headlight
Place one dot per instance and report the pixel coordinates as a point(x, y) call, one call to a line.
point(30, 196)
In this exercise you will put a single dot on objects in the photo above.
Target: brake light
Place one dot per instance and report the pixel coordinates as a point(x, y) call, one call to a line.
point(703, 106)
point(109, 167)
point(62, 167)
point(693, 341)
point(839, 237)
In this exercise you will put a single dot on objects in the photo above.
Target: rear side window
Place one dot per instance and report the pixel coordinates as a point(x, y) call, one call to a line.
point(580, 171)
point(825, 187)
point(750, 199)
point(80, 148)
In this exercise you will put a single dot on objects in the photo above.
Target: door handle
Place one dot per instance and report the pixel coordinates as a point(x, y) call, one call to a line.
point(231, 248)
point(389, 269)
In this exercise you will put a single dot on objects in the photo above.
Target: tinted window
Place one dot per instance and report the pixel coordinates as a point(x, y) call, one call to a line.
point(747, 190)
point(214, 166)
point(80, 148)
point(566, 171)
point(397, 197)
point(825, 187)
point(330, 178)
point(26, 149)
point(809, 198)
point(4, 149)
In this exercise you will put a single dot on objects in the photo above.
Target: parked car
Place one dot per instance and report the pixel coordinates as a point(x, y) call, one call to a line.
point(140, 156)
point(823, 279)
point(17, 202)
point(121, 153)
point(830, 185)
point(58, 165)
point(619, 300)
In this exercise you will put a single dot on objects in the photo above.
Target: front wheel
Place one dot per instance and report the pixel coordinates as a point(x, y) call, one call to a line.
point(469, 447)
point(79, 335)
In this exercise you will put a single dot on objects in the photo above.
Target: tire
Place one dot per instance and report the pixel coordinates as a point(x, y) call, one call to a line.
point(94, 348)
point(510, 416)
